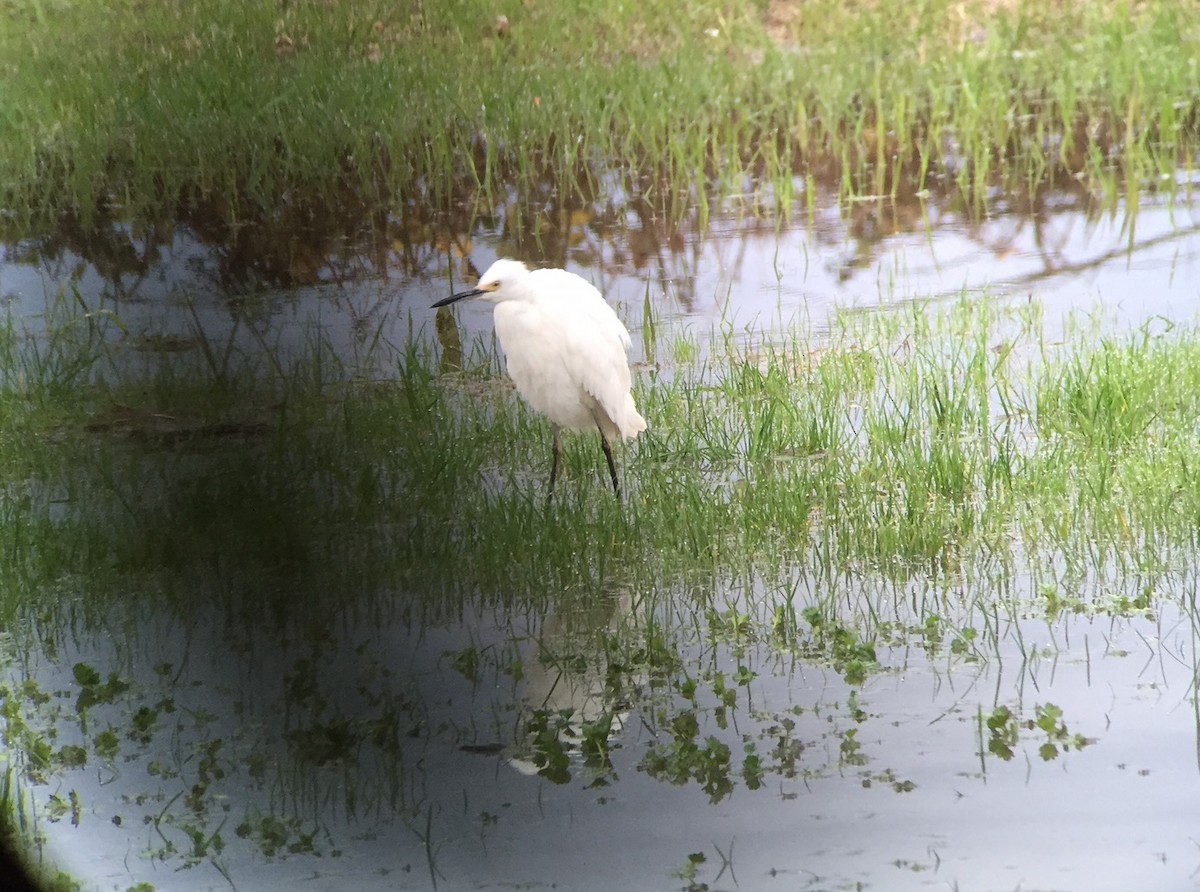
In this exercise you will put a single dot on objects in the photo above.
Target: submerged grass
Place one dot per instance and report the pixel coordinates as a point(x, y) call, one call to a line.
point(230, 104)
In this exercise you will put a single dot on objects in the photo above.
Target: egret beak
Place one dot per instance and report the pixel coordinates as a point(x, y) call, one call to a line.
point(446, 301)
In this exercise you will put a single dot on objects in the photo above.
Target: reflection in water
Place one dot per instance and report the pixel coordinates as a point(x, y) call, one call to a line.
point(573, 706)
point(649, 247)
point(346, 749)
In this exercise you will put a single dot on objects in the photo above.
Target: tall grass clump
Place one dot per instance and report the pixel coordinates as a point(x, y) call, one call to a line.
point(1117, 424)
point(924, 474)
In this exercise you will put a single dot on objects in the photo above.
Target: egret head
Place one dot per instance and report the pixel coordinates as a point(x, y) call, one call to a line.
point(502, 281)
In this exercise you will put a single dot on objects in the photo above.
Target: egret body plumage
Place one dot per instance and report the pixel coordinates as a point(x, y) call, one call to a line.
point(565, 350)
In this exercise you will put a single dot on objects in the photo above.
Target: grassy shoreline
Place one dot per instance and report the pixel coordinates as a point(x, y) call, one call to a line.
point(148, 106)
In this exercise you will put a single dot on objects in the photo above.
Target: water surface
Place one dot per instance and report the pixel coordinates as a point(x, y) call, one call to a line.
point(360, 739)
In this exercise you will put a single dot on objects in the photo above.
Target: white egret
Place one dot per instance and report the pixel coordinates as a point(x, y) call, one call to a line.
point(565, 350)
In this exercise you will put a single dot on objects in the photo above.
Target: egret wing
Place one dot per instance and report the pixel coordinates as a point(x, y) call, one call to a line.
point(595, 345)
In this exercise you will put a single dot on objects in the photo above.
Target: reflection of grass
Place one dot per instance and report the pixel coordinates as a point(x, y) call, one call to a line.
point(1003, 730)
point(151, 104)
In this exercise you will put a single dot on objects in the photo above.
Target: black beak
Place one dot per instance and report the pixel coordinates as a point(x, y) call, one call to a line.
point(446, 301)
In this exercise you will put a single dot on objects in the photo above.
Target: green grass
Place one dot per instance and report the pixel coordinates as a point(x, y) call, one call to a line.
point(907, 445)
point(266, 110)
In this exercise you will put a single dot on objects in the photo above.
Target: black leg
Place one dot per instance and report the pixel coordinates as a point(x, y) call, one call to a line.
point(554, 464)
point(612, 466)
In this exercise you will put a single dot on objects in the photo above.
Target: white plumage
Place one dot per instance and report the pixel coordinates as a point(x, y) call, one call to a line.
point(565, 350)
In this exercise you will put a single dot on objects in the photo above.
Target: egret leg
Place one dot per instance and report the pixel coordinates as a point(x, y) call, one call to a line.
point(612, 466)
point(557, 449)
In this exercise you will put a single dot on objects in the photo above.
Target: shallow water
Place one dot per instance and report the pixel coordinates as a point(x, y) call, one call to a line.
point(915, 802)
point(742, 273)
point(390, 751)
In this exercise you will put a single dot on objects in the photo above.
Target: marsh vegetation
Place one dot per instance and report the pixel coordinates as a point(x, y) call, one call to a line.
point(902, 574)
